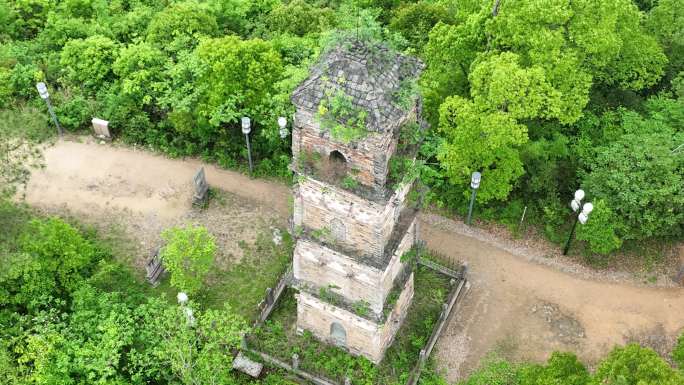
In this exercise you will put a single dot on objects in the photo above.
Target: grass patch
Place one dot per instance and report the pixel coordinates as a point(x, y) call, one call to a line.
point(278, 338)
point(28, 122)
point(244, 284)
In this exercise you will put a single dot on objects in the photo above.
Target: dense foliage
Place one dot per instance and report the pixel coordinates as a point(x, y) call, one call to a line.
point(631, 364)
point(72, 314)
point(543, 100)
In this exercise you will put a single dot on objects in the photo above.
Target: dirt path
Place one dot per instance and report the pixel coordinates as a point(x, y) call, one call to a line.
point(83, 175)
point(525, 310)
point(518, 304)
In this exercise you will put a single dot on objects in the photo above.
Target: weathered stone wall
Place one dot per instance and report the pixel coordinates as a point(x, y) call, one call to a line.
point(398, 314)
point(370, 155)
point(396, 204)
point(395, 266)
point(322, 203)
point(367, 224)
point(318, 266)
point(363, 337)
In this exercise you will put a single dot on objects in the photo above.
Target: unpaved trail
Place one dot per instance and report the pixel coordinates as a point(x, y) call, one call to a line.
point(87, 175)
point(518, 304)
point(526, 310)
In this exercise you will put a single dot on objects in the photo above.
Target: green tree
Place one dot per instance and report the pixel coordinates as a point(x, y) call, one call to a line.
point(30, 16)
point(88, 62)
point(181, 25)
point(60, 249)
point(666, 22)
point(600, 230)
point(640, 179)
point(188, 255)
point(526, 63)
point(140, 68)
point(193, 349)
point(561, 369)
point(415, 20)
point(634, 365)
point(300, 18)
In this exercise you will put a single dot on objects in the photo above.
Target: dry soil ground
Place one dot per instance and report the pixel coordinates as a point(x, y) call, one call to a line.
point(521, 304)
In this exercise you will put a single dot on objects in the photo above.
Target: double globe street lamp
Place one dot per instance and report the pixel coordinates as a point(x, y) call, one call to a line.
point(582, 217)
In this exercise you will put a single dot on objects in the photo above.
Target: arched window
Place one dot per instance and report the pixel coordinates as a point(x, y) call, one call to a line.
point(338, 157)
point(338, 229)
point(338, 334)
point(337, 165)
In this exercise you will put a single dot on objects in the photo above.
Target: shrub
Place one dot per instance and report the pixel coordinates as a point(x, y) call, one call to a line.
point(180, 26)
point(678, 353)
point(74, 113)
point(88, 62)
point(188, 256)
point(634, 365)
point(599, 231)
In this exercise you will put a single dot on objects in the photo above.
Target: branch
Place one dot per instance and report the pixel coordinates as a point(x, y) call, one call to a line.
point(495, 9)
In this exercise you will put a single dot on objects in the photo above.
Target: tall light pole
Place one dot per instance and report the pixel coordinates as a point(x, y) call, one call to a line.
point(474, 184)
point(246, 129)
point(582, 217)
point(45, 95)
point(282, 123)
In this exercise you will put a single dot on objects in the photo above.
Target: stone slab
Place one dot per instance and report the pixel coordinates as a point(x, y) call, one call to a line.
point(245, 365)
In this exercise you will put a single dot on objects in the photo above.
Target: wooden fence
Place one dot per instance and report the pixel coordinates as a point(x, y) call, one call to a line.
point(456, 293)
point(283, 365)
point(267, 305)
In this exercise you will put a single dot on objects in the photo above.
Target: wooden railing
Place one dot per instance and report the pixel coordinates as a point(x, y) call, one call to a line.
point(267, 305)
point(456, 293)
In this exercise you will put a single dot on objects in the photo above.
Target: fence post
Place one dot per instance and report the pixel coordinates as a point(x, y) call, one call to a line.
point(295, 361)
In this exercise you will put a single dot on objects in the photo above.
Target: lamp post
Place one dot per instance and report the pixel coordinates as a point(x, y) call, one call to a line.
point(45, 95)
point(474, 184)
point(582, 217)
point(246, 129)
point(282, 123)
point(183, 302)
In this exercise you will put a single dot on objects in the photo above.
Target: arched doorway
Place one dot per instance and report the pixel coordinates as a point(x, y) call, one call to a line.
point(338, 334)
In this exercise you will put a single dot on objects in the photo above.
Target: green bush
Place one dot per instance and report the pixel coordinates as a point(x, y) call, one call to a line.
point(88, 62)
point(74, 113)
point(181, 25)
point(600, 230)
point(415, 20)
point(634, 365)
point(188, 255)
point(678, 353)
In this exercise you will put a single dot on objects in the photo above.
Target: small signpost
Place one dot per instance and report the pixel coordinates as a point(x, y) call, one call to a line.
point(101, 129)
point(155, 269)
point(201, 188)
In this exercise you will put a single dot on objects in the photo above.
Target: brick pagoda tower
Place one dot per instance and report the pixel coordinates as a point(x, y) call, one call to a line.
point(351, 217)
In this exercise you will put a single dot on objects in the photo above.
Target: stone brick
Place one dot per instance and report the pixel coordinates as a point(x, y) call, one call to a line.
point(363, 337)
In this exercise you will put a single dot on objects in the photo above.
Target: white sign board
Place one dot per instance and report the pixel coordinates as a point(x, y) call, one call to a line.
point(101, 128)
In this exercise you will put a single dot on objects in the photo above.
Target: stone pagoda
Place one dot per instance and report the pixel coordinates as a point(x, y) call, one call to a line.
point(351, 216)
